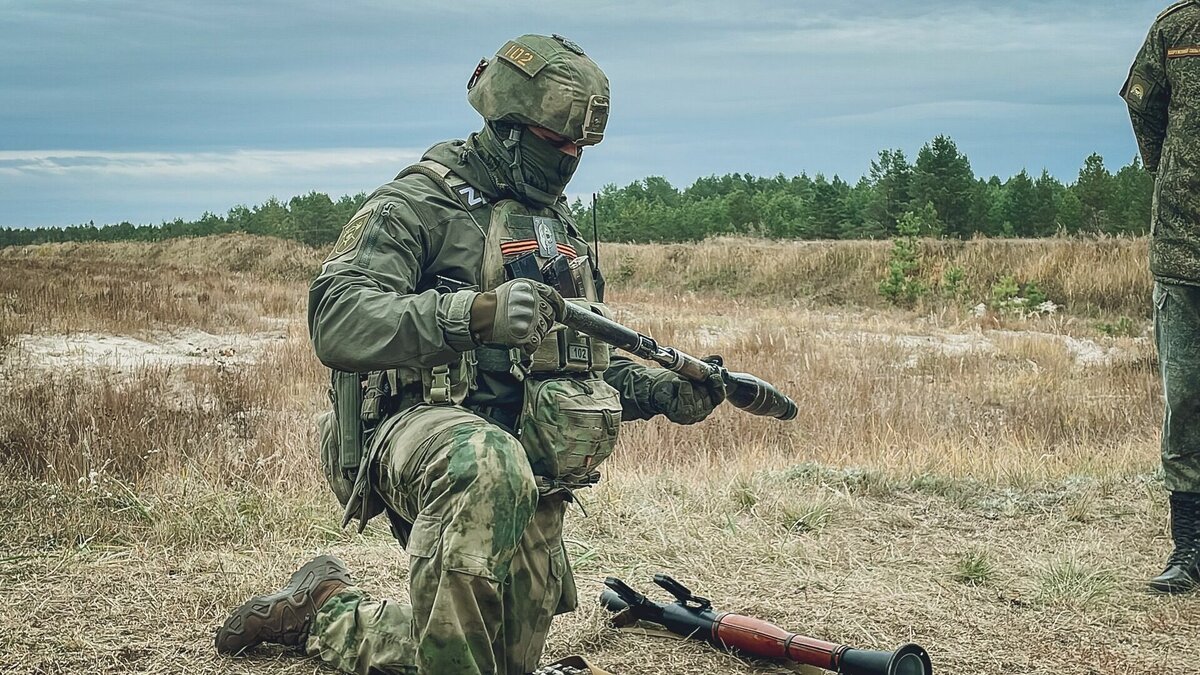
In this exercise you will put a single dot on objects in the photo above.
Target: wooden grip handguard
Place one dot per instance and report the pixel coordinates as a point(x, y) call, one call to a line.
point(758, 637)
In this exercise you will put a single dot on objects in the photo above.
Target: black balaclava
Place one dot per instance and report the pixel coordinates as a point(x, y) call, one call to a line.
point(518, 161)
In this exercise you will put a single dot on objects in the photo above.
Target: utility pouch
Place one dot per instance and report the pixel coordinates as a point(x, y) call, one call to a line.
point(347, 394)
point(568, 427)
point(331, 460)
point(448, 384)
point(343, 446)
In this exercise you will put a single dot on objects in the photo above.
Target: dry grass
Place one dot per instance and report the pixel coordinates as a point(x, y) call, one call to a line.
point(991, 494)
point(1105, 277)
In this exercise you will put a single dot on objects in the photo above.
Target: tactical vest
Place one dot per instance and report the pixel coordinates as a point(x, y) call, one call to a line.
point(569, 416)
point(512, 230)
point(567, 407)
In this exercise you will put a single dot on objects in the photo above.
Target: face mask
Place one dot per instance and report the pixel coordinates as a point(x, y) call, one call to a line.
point(545, 167)
point(541, 171)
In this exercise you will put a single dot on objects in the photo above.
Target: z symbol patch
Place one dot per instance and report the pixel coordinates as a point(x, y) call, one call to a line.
point(470, 197)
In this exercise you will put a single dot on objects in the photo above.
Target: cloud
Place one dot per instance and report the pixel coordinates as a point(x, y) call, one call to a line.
point(172, 105)
point(59, 187)
point(247, 164)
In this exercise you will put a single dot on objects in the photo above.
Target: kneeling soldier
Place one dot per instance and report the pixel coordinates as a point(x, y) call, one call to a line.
point(462, 410)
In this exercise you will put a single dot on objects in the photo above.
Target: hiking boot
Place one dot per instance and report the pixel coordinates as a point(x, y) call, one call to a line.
point(572, 665)
point(284, 616)
point(1183, 567)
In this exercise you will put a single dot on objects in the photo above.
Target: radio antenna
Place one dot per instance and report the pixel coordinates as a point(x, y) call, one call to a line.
point(595, 232)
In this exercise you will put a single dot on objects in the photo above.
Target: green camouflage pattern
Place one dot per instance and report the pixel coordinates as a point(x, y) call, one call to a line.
point(357, 634)
point(569, 427)
point(487, 565)
point(1162, 93)
point(487, 569)
point(376, 306)
point(547, 82)
point(1177, 334)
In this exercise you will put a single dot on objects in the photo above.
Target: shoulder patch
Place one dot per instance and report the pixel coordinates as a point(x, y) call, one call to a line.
point(525, 59)
point(450, 183)
point(470, 197)
point(351, 233)
point(1181, 52)
point(1138, 91)
point(1174, 8)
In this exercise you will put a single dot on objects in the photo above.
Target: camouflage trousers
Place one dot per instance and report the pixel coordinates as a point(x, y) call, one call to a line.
point(487, 569)
point(1177, 335)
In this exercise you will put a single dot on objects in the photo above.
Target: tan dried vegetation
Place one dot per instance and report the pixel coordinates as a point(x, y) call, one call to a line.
point(987, 487)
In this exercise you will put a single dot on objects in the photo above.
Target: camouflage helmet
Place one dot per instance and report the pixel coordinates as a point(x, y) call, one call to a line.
point(546, 82)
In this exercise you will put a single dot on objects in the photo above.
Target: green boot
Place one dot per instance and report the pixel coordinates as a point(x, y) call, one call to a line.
point(1183, 567)
point(284, 616)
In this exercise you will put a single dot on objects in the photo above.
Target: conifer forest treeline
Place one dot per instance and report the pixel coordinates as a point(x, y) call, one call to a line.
point(938, 190)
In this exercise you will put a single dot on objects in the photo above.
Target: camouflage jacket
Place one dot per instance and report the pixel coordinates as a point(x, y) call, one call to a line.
point(380, 302)
point(1163, 96)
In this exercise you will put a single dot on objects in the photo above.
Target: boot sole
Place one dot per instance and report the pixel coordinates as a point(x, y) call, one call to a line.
point(1174, 589)
point(260, 606)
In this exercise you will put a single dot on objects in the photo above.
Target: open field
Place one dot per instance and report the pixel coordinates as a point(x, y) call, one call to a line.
point(986, 486)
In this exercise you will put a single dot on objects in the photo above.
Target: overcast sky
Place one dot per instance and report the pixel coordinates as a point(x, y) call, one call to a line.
point(148, 110)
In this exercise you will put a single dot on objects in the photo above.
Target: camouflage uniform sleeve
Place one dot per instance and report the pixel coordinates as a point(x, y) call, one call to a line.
point(364, 313)
point(634, 382)
point(1147, 93)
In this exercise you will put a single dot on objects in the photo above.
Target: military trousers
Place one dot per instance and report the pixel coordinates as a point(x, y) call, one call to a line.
point(487, 569)
point(1177, 336)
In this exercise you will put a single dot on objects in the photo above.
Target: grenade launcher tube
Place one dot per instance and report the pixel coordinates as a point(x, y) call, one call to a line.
point(744, 391)
point(761, 639)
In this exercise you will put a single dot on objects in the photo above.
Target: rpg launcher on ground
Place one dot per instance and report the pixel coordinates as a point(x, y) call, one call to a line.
point(693, 616)
point(743, 390)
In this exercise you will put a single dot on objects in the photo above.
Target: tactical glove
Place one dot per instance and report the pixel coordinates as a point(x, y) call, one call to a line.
point(518, 313)
point(684, 401)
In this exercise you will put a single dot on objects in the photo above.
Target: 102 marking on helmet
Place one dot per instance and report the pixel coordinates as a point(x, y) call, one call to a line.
point(543, 81)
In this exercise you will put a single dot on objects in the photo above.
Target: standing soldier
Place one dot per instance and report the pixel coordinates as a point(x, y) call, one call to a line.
point(1163, 95)
point(443, 356)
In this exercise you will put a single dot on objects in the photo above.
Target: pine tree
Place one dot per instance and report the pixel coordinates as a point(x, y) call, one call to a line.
point(1132, 193)
point(1095, 189)
point(889, 180)
point(942, 176)
point(1047, 194)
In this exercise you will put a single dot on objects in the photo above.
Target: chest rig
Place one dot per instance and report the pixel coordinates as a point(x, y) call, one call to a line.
point(543, 244)
point(567, 417)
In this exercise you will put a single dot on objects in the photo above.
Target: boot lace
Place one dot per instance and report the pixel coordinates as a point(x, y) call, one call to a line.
point(1185, 530)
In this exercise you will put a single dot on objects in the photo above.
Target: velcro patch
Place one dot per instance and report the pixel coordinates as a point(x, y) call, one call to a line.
point(1137, 91)
point(524, 58)
point(470, 197)
point(525, 227)
point(1181, 52)
point(518, 246)
point(351, 233)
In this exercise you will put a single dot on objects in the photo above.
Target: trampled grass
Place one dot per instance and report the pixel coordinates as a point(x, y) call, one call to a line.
point(987, 487)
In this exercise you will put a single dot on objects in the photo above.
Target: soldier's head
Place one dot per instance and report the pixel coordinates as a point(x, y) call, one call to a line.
point(543, 100)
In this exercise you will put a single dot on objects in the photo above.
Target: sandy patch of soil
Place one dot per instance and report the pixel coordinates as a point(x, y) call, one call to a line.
point(120, 352)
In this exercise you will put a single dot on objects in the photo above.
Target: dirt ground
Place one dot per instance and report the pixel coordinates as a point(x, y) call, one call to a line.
point(983, 485)
point(987, 580)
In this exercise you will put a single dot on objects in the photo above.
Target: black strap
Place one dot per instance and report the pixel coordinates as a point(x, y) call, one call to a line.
point(493, 359)
point(506, 418)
